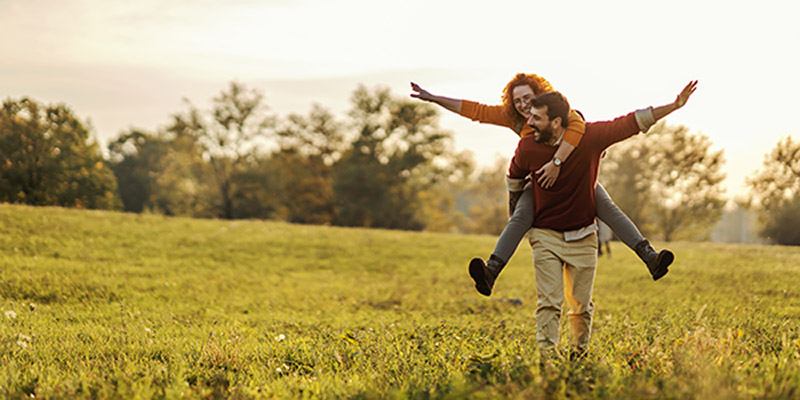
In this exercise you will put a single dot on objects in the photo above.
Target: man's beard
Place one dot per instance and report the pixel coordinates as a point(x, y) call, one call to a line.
point(545, 135)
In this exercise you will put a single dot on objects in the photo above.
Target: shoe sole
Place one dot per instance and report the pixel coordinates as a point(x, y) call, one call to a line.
point(665, 259)
point(477, 272)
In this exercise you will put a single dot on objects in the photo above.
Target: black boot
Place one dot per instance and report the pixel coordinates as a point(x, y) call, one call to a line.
point(484, 275)
point(657, 263)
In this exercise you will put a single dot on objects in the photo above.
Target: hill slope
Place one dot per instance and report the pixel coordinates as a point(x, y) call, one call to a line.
point(102, 304)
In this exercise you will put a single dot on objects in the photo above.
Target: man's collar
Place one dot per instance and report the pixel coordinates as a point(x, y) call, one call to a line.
point(560, 137)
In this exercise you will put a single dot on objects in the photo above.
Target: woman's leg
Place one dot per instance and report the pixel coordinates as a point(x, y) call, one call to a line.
point(608, 212)
point(484, 274)
point(518, 225)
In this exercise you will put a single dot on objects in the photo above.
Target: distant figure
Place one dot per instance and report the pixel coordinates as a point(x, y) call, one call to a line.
point(604, 235)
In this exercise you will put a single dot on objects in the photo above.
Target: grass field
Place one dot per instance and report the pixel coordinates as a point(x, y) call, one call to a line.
point(111, 305)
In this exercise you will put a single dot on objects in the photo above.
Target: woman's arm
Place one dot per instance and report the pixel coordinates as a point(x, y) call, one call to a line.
point(482, 113)
point(572, 137)
point(453, 105)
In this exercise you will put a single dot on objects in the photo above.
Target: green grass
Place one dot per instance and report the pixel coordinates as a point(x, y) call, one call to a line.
point(111, 305)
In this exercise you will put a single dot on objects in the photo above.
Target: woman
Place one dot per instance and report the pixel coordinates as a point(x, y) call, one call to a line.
point(512, 114)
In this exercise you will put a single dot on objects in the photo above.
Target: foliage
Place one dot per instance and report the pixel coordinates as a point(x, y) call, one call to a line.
point(203, 164)
point(389, 165)
point(668, 182)
point(378, 179)
point(782, 221)
point(776, 192)
point(228, 136)
point(487, 197)
point(162, 173)
point(440, 200)
point(113, 305)
point(309, 148)
point(257, 187)
point(131, 156)
point(626, 174)
point(46, 158)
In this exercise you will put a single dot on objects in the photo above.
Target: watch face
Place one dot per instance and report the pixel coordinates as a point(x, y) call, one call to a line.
point(557, 162)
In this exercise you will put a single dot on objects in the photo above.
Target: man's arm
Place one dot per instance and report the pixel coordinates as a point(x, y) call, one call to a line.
point(608, 133)
point(453, 105)
point(646, 121)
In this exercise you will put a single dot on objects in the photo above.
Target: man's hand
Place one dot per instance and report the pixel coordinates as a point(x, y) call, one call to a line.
point(683, 97)
point(513, 199)
point(680, 101)
point(421, 93)
point(549, 174)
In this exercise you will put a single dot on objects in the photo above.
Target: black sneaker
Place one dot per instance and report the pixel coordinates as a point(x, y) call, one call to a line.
point(657, 263)
point(479, 274)
point(661, 265)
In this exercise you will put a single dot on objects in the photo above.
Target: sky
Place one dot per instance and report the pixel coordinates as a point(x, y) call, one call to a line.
point(123, 65)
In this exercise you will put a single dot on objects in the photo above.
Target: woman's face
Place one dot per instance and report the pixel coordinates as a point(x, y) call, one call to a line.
point(522, 95)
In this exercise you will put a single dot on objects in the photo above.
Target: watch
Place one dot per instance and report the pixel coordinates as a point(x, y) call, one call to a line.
point(557, 161)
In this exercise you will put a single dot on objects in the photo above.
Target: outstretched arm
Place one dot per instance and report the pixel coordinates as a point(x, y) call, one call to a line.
point(679, 102)
point(645, 121)
point(610, 132)
point(453, 105)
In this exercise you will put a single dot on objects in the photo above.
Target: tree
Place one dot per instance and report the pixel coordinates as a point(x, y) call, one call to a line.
point(258, 187)
point(229, 138)
point(669, 181)
point(309, 148)
point(487, 200)
point(378, 180)
point(162, 172)
point(626, 175)
point(776, 193)
point(442, 199)
point(46, 158)
point(134, 157)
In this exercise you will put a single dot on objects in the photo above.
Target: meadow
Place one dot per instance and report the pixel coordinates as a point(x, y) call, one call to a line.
point(112, 305)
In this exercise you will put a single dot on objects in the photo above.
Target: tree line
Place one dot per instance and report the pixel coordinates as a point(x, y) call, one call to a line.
point(386, 164)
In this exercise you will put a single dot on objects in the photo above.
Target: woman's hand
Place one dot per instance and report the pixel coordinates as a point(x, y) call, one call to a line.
point(421, 93)
point(549, 174)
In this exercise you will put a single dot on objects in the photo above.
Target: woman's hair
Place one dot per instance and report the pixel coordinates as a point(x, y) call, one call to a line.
point(535, 82)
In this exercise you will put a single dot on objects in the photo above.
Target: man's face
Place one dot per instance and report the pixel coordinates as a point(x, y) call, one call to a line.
point(522, 95)
point(541, 124)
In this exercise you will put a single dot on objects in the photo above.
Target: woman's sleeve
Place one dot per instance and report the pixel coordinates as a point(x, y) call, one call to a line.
point(575, 128)
point(486, 114)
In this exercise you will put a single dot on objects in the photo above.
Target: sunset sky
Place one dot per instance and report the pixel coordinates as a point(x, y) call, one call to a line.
point(125, 65)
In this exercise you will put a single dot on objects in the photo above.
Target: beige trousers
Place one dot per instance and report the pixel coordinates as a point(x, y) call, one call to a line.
point(563, 269)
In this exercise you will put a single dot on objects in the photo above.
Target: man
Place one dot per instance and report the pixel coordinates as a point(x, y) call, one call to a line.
point(564, 238)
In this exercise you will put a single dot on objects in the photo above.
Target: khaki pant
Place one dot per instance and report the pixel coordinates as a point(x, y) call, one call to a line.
point(563, 269)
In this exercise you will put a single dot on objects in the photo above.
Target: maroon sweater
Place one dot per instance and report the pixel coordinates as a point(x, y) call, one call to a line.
point(569, 203)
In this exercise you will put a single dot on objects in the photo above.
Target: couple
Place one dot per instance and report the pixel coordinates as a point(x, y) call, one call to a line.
point(564, 152)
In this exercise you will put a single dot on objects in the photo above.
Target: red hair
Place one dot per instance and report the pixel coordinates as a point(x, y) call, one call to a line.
point(535, 82)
